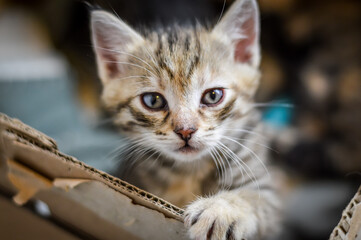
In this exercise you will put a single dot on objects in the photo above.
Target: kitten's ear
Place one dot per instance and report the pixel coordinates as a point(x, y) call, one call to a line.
point(240, 26)
point(112, 39)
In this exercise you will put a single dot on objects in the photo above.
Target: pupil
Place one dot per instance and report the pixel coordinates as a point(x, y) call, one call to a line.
point(213, 95)
point(154, 99)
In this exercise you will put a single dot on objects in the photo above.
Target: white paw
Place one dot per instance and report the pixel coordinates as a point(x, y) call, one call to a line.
point(221, 217)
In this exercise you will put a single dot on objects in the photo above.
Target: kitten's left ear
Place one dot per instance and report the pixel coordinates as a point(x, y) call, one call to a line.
point(112, 40)
point(240, 26)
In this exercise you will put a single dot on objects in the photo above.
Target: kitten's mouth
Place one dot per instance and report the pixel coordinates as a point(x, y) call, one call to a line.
point(188, 149)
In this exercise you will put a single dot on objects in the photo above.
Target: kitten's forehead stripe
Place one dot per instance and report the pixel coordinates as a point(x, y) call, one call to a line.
point(161, 56)
point(160, 45)
point(187, 42)
point(172, 40)
point(178, 54)
point(195, 61)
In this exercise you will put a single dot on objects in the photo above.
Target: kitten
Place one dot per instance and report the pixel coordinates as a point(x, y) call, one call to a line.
point(183, 97)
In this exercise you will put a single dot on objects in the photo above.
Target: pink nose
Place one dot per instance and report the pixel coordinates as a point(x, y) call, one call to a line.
point(185, 134)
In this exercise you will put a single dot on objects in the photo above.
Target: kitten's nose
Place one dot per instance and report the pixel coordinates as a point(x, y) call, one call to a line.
point(185, 134)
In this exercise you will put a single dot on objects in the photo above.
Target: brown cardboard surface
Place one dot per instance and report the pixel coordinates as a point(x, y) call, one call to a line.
point(83, 198)
point(13, 219)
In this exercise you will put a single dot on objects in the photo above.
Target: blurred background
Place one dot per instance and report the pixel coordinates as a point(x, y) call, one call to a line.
point(311, 59)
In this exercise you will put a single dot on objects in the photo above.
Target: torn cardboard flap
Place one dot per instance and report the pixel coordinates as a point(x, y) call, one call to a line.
point(28, 182)
point(67, 184)
point(92, 203)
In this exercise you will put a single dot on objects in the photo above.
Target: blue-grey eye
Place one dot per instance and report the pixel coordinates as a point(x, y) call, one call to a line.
point(212, 97)
point(154, 101)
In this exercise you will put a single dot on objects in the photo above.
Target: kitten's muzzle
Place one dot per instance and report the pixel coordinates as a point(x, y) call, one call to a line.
point(185, 134)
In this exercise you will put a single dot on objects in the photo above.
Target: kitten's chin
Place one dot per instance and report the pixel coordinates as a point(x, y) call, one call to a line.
point(188, 150)
point(187, 154)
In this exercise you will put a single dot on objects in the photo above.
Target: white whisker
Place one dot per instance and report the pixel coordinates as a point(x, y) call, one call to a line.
point(140, 76)
point(128, 54)
point(254, 142)
point(240, 162)
point(284, 105)
point(227, 178)
point(135, 65)
point(245, 131)
point(251, 151)
point(219, 167)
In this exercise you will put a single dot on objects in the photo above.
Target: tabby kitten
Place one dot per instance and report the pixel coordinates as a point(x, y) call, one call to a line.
point(183, 97)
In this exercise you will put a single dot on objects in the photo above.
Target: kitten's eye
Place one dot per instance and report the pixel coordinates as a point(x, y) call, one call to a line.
point(154, 101)
point(213, 97)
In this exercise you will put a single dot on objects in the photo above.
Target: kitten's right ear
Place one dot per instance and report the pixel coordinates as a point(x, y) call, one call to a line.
point(240, 25)
point(112, 40)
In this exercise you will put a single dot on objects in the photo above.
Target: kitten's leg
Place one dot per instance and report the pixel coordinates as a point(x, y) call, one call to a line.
point(236, 214)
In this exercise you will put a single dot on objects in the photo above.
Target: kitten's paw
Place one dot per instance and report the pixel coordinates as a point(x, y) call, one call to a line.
point(220, 217)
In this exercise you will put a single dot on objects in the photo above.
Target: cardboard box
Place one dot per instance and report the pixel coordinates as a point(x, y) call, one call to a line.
point(86, 203)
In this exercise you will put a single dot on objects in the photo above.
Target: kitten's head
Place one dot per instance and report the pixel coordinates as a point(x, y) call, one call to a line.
point(181, 89)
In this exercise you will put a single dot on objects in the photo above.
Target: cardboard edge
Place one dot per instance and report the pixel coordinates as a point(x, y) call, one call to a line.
point(350, 223)
point(20, 135)
point(32, 135)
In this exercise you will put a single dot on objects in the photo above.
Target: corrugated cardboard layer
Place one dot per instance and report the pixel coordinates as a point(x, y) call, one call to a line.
point(349, 227)
point(82, 197)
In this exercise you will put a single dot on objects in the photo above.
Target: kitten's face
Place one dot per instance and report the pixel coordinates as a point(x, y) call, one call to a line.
point(179, 91)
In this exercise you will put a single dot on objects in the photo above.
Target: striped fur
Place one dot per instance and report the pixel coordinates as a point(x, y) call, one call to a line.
point(228, 169)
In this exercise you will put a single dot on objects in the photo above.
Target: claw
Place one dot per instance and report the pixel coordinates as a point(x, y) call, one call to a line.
point(229, 234)
point(195, 219)
point(210, 231)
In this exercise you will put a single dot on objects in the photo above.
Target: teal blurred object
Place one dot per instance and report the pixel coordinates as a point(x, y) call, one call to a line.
point(279, 114)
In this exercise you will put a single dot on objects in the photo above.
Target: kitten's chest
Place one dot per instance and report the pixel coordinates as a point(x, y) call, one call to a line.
point(182, 187)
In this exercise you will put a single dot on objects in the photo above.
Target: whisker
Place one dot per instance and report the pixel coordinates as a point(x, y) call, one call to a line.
point(284, 105)
point(151, 57)
point(220, 16)
point(254, 142)
point(104, 122)
point(135, 65)
point(139, 153)
point(155, 152)
point(144, 152)
point(223, 165)
point(224, 149)
point(128, 54)
point(245, 131)
point(240, 162)
point(125, 149)
point(218, 165)
point(251, 151)
point(227, 178)
point(141, 76)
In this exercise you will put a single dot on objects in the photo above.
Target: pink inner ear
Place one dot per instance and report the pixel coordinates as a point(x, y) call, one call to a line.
point(243, 46)
point(110, 64)
point(107, 57)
